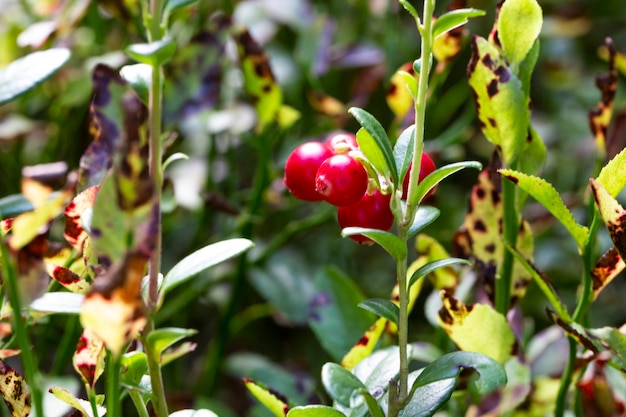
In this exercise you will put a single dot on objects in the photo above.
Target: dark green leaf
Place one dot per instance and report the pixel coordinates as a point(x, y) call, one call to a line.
point(153, 53)
point(390, 242)
point(431, 266)
point(439, 174)
point(382, 307)
point(134, 367)
point(14, 204)
point(377, 132)
point(424, 216)
point(203, 259)
point(340, 383)
point(403, 151)
point(27, 72)
point(454, 19)
point(372, 405)
point(427, 399)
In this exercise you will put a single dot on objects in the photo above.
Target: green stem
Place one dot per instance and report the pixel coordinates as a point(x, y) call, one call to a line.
point(154, 369)
point(510, 227)
point(114, 408)
point(403, 324)
point(139, 403)
point(561, 398)
point(29, 362)
point(91, 394)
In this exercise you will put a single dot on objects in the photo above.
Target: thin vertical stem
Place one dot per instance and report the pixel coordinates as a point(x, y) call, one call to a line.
point(510, 227)
point(114, 408)
point(403, 334)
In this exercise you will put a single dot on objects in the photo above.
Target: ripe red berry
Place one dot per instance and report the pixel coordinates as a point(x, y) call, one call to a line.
point(372, 211)
point(342, 143)
point(426, 167)
point(301, 167)
point(341, 180)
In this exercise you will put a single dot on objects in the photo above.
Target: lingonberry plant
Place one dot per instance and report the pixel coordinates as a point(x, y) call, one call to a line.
point(120, 295)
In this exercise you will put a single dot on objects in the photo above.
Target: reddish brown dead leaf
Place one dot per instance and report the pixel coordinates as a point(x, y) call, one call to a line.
point(74, 232)
point(613, 214)
point(600, 117)
point(606, 269)
point(89, 357)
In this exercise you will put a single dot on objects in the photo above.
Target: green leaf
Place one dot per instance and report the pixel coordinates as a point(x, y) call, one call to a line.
point(139, 76)
point(134, 367)
point(270, 399)
point(178, 156)
point(440, 174)
point(12, 205)
point(58, 303)
point(382, 144)
point(434, 265)
point(382, 307)
point(403, 151)
point(424, 216)
point(340, 383)
point(27, 72)
point(491, 373)
point(372, 404)
point(427, 399)
point(203, 259)
point(314, 411)
point(173, 5)
point(519, 25)
point(541, 281)
point(613, 174)
point(454, 19)
point(544, 193)
point(193, 413)
point(390, 242)
point(163, 338)
point(153, 53)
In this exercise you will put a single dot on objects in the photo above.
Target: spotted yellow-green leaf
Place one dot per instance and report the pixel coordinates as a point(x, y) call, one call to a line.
point(74, 232)
point(365, 346)
point(80, 405)
point(68, 278)
point(275, 402)
point(613, 175)
point(613, 215)
point(89, 357)
point(600, 117)
point(480, 239)
point(606, 269)
point(477, 328)
point(544, 193)
point(519, 24)
point(14, 391)
point(401, 90)
point(500, 100)
point(259, 81)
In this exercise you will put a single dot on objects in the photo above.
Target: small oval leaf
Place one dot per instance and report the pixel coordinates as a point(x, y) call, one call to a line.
point(424, 216)
point(454, 19)
point(434, 265)
point(383, 308)
point(314, 411)
point(340, 383)
point(440, 174)
point(390, 242)
point(519, 24)
point(153, 53)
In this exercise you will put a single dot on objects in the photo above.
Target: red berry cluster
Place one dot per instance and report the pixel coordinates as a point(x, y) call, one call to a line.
point(317, 171)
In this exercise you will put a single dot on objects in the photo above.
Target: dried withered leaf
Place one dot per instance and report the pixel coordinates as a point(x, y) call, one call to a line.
point(600, 116)
point(89, 357)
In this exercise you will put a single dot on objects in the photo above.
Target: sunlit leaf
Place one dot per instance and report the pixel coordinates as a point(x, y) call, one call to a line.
point(403, 151)
point(434, 265)
point(613, 175)
point(134, 368)
point(89, 357)
point(275, 402)
point(519, 24)
point(401, 90)
point(382, 308)
point(139, 76)
point(58, 303)
point(74, 232)
point(81, 405)
point(613, 214)
point(544, 193)
point(153, 53)
point(454, 19)
point(477, 328)
point(609, 266)
point(203, 259)
point(314, 411)
point(390, 242)
point(27, 72)
point(340, 383)
point(14, 391)
point(365, 345)
point(163, 338)
point(424, 216)
point(438, 175)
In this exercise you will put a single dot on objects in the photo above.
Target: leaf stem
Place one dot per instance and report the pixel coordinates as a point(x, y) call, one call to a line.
point(29, 362)
point(154, 369)
point(510, 227)
point(114, 408)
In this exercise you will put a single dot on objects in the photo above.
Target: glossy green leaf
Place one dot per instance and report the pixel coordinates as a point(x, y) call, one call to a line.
point(314, 411)
point(274, 402)
point(390, 242)
point(382, 307)
point(613, 174)
point(139, 76)
point(454, 19)
point(165, 337)
point(427, 399)
point(178, 156)
point(12, 205)
point(440, 174)
point(403, 151)
point(134, 367)
point(340, 383)
point(153, 53)
point(373, 153)
point(27, 72)
point(519, 24)
point(544, 193)
point(372, 405)
point(58, 303)
point(434, 265)
point(424, 216)
point(542, 282)
point(203, 259)
point(78, 404)
point(382, 144)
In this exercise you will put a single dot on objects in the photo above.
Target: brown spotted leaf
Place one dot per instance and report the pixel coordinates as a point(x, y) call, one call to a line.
point(613, 215)
point(275, 402)
point(500, 100)
point(480, 239)
point(82, 203)
point(600, 117)
point(606, 269)
point(89, 357)
point(477, 328)
point(14, 391)
point(68, 278)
